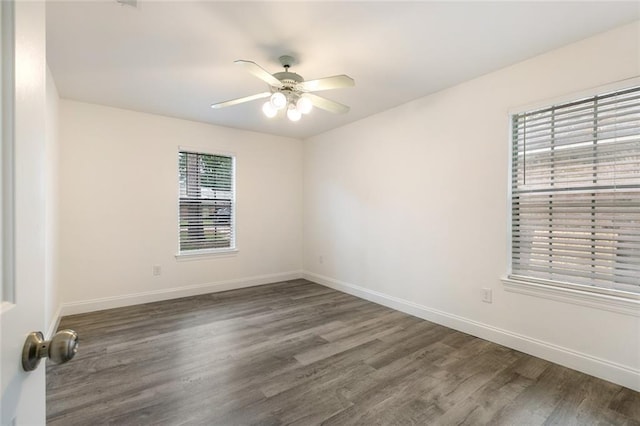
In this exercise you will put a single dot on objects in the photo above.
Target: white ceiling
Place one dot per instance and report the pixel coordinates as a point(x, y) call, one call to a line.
point(175, 58)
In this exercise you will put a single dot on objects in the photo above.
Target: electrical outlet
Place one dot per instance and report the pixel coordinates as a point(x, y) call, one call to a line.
point(157, 270)
point(487, 295)
point(321, 259)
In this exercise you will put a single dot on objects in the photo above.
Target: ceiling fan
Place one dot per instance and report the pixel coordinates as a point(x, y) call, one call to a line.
point(289, 91)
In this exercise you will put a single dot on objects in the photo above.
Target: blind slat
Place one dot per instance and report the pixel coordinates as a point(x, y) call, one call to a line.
point(206, 201)
point(575, 188)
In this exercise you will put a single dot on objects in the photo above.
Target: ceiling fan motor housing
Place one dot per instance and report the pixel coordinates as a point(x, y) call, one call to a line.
point(289, 81)
point(289, 78)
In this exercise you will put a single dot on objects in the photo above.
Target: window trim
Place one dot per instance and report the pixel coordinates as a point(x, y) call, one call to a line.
point(210, 252)
point(596, 297)
point(628, 304)
point(206, 253)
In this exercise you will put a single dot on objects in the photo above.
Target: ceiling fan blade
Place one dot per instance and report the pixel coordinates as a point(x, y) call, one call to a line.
point(260, 72)
point(241, 100)
point(326, 104)
point(327, 83)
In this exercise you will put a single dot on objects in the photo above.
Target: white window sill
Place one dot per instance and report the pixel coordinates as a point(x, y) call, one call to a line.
point(627, 303)
point(206, 254)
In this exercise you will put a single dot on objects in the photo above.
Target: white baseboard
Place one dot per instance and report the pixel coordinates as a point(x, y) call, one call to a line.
point(83, 306)
point(55, 321)
point(606, 370)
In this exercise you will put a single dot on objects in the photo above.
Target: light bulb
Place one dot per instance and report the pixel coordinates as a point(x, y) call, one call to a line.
point(269, 110)
point(278, 100)
point(304, 105)
point(293, 113)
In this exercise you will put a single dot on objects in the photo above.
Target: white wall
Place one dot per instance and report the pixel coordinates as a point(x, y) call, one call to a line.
point(409, 208)
point(52, 259)
point(118, 208)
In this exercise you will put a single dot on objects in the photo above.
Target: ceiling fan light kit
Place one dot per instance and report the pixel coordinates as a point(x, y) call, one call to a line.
point(269, 110)
point(293, 114)
point(278, 100)
point(304, 105)
point(290, 92)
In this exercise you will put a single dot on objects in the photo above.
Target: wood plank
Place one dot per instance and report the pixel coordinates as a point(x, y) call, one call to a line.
point(296, 352)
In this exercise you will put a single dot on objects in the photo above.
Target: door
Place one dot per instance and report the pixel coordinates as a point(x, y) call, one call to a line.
point(23, 207)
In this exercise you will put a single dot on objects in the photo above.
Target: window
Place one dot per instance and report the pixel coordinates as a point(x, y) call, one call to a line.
point(575, 194)
point(207, 202)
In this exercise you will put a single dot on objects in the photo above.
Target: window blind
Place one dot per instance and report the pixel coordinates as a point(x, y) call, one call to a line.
point(206, 201)
point(575, 192)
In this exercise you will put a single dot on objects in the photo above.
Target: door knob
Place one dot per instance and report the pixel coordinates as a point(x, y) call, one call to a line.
point(61, 348)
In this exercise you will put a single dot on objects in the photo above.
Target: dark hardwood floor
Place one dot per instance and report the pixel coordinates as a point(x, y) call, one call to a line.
point(300, 353)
